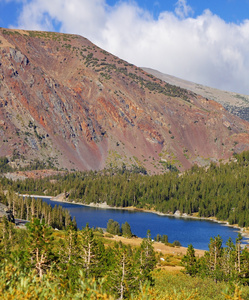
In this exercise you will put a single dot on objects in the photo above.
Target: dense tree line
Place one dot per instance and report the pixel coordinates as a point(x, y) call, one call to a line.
point(230, 263)
point(74, 260)
point(219, 191)
point(26, 208)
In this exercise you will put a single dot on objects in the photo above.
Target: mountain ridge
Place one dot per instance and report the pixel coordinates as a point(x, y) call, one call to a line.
point(235, 103)
point(67, 102)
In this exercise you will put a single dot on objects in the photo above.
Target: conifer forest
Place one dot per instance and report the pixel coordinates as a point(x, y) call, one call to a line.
point(50, 258)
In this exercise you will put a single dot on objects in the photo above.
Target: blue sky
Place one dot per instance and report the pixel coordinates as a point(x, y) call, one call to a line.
point(205, 41)
point(229, 10)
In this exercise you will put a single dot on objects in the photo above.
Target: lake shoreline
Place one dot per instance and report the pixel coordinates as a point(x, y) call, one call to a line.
point(104, 205)
point(176, 215)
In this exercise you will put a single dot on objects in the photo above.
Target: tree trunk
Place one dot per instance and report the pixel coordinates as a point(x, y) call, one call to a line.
point(122, 279)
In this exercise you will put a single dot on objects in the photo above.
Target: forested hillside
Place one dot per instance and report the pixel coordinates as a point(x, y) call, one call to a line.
point(221, 191)
point(81, 264)
point(41, 263)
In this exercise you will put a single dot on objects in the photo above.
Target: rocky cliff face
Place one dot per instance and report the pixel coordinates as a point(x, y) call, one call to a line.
point(66, 101)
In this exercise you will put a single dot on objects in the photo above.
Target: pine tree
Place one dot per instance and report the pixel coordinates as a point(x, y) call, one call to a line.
point(244, 269)
point(164, 239)
point(146, 260)
point(229, 260)
point(113, 227)
point(71, 246)
point(7, 236)
point(238, 249)
point(158, 238)
point(126, 230)
point(89, 252)
point(214, 257)
point(122, 276)
point(39, 246)
point(190, 262)
point(69, 254)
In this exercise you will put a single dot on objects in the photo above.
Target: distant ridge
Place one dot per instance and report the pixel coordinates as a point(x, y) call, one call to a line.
point(237, 104)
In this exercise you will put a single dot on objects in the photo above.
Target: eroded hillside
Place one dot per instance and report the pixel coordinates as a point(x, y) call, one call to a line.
point(66, 101)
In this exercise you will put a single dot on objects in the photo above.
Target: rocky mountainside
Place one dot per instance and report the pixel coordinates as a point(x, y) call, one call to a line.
point(235, 103)
point(69, 103)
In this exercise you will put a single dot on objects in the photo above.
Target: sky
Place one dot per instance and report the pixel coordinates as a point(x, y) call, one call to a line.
point(204, 41)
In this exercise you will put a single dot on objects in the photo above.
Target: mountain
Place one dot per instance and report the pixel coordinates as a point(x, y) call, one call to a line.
point(66, 102)
point(237, 104)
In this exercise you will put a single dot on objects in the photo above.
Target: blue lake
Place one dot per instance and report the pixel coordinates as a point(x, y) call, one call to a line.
point(185, 230)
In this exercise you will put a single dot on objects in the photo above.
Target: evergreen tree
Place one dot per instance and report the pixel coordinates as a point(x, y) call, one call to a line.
point(8, 236)
point(190, 262)
point(126, 230)
point(113, 227)
point(70, 247)
point(164, 239)
point(229, 261)
point(238, 250)
point(215, 255)
point(121, 277)
point(39, 246)
point(90, 252)
point(146, 260)
point(244, 268)
point(158, 238)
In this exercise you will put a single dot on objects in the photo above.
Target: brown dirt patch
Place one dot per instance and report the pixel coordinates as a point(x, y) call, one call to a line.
point(4, 43)
point(159, 247)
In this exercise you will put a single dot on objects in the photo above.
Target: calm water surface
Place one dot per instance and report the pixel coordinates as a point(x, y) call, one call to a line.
point(186, 231)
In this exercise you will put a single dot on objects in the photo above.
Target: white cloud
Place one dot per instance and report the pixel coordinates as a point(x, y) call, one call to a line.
point(204, 49)
point(75, 16)
point(182, 9)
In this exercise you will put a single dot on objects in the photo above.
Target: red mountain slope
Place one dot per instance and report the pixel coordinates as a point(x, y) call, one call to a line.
point(63, 99)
